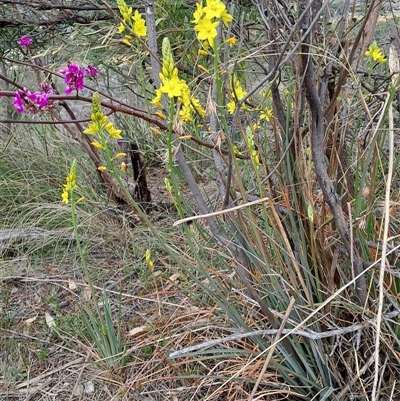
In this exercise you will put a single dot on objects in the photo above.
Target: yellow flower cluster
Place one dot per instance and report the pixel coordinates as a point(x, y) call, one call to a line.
point(374, 53)
point(100, 122)
point(70, 184)
point(149, 259)
point(135, 22)
point(266, 114)
point(98, 125)
point(173, 86)
point(206, 19)
point(237, 93)
point(251, 147)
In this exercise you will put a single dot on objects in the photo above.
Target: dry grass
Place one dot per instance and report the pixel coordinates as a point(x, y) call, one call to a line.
point(157, 317)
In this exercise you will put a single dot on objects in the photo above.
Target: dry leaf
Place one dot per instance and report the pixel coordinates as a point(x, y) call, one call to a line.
point(136, 331)
point(29, 321)
point(175, 278)
point(71, 285)
point(49, 320)
point(87, 294)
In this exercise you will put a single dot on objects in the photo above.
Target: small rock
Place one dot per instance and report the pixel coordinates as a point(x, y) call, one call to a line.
point(89, 388)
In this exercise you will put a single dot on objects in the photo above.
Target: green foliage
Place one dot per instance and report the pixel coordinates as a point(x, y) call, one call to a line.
point(107, 340)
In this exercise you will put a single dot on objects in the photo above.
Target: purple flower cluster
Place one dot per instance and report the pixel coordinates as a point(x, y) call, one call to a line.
point(33, 102)
point(24, 41)
point(74, 76)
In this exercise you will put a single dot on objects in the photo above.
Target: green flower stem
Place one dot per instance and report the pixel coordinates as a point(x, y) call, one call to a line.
point(171, 167)
point(218, 83)
point(81, 251)
point(170, 135)
point(217, 74)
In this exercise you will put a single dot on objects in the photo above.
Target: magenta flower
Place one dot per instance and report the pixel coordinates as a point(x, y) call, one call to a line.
point(18, 102)
point(73, 77)
point(92, 71)
point(40, 99)
point(24, 41)
point(33, 102)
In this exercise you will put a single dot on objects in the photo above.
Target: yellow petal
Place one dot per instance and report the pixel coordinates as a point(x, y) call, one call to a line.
point(161, 115)
point(97, 145)
point(155, 131)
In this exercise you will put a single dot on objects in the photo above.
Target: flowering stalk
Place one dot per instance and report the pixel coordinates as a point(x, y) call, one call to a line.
point(135, 22)
point(68, 197)
point(103, 130)
point(171, 169)
point(207, 20)
point(174, 87)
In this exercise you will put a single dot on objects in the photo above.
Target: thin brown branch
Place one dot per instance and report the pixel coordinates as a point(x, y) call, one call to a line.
point(317, 148)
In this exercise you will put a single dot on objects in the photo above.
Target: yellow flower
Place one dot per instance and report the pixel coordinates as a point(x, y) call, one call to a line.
point(157, 100)
point(184, 114)
point(202, 52)
point(102, 168)
point(64, 197)
point(198, 13)
point(113, 132)
point(195, 103)
point(120, 155)
point(97, 144)
point(254, 157)
point(99, 122)
point(93, 128)
point(226, 17)
point(139, 26)
point(70, 184)
point(172, 87)
point(237, 89)
point(266, 114)
point(123, 166)
point(127, 40)
point(231, 106)
point(148, 259)
point(121, 28)
point(374, 53)
point(207, 30)
point(124, 10)
point(231, 41)
point(214, 8)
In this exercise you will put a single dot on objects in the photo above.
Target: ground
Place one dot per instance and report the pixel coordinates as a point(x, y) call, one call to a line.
point(45, 351)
